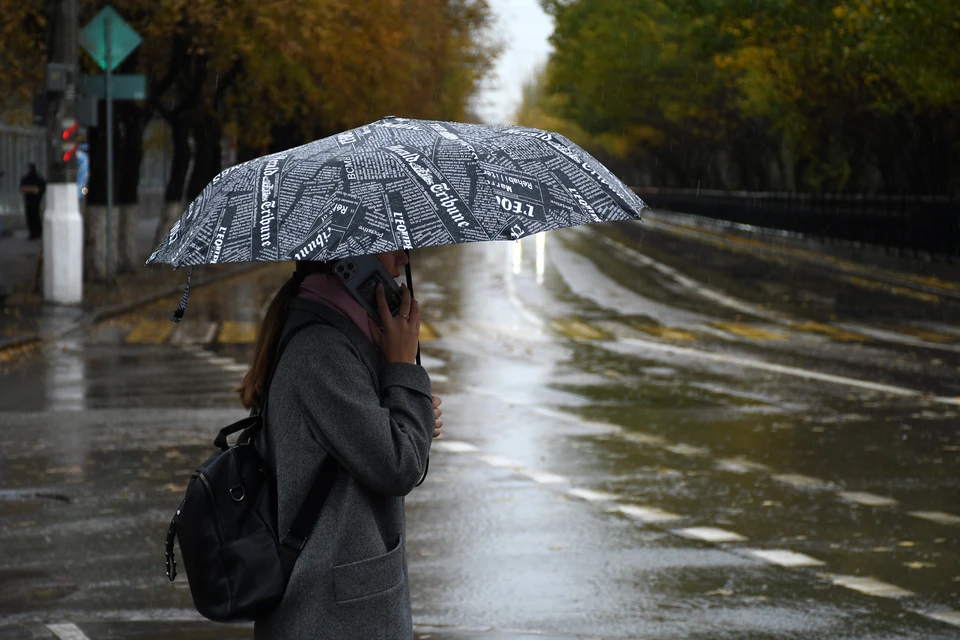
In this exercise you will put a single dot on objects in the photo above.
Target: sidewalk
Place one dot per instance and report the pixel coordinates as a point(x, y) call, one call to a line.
point(26, 320)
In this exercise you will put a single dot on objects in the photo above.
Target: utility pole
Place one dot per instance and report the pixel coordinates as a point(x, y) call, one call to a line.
point(62, 223)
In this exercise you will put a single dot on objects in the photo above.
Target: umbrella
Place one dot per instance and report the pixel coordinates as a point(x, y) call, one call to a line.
point(395, 184)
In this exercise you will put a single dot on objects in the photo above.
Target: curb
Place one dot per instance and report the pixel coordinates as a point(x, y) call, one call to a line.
point(118, 309)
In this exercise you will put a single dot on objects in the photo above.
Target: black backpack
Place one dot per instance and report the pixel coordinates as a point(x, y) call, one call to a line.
point(238, 563)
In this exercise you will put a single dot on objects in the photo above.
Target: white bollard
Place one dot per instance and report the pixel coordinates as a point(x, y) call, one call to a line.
point(62, 245)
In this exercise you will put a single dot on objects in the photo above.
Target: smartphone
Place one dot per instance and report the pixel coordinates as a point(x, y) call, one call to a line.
point(361, 275)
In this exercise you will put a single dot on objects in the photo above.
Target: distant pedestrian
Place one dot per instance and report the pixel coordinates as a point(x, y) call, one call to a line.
point(33, 186)
point(346, 390)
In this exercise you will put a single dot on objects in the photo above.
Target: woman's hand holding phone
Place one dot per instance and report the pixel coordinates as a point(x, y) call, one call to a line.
point(400, 336)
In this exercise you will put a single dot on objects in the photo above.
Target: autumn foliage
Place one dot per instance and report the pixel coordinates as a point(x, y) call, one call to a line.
point(806, 95)
point(259, 69)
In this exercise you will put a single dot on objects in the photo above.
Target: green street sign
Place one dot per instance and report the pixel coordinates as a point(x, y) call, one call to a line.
point(123, 39)
point(122, 87)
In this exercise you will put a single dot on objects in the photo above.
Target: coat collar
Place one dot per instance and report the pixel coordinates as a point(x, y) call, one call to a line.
point(301, 309)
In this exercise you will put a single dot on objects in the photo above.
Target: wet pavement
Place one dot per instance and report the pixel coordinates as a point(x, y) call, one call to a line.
point(651, 431)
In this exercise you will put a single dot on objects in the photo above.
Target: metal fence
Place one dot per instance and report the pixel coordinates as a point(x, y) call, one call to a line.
point(19, 146)
point(929, 224)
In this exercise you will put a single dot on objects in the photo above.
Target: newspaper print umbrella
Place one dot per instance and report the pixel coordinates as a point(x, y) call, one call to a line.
point(395, 184)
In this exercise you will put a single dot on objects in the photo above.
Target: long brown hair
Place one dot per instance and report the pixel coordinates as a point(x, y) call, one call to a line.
point(252, 387)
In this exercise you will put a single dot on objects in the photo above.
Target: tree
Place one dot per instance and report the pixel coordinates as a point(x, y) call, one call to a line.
point(785, 94)
point(266, 74)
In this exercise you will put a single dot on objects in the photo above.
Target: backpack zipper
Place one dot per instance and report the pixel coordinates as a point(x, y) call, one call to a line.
point(213, 503)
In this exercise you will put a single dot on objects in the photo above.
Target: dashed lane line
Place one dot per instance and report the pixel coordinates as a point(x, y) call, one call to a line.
point(195, 333)
point(869, 586)
point(648, 514)
point(867, 499)
point(653, 516)
point(590, 495)
point(743, 465)
point(687, 450)
point(67, 631)
point(220, 361)
point(500, 461)
point(950, 616)
point(939, 517)
point(454, 446)
point(237, 368)
point(801, 481)
point(785, 557)
point(710, 534)
point(544, 477)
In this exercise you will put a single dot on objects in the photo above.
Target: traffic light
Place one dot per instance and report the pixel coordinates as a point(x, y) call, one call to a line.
point(68, 135)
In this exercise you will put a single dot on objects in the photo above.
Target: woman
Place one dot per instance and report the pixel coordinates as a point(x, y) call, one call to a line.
point(347, 389)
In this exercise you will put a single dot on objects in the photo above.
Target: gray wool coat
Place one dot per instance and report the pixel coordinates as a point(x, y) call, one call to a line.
point(332, 395)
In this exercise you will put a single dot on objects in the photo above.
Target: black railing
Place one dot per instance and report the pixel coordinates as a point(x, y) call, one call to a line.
point(929, 224)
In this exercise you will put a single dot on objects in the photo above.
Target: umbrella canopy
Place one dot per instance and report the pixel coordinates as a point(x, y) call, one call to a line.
point(396, 184)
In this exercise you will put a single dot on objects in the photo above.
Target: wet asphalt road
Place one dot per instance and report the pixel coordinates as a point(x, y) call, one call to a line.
point(651, 432)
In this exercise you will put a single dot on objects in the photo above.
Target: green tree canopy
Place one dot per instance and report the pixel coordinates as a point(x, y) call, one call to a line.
point(762, 94)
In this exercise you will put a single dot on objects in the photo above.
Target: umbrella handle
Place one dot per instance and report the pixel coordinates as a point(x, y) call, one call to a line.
point(426, 469)
point(410, 287)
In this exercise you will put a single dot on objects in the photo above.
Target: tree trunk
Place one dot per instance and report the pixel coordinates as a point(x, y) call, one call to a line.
point(179, 165)
point(129, 157)
point(206, 155)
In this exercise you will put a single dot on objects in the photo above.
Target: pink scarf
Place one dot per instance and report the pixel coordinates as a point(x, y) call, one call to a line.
point(327, 289)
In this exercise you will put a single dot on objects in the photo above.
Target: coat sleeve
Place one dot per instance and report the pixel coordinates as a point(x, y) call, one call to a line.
point(382, 439)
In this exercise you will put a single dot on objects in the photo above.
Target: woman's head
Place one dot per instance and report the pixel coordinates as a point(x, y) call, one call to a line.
point(268, 340)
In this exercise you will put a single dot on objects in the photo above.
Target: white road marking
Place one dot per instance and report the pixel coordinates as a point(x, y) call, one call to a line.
point(455, 446)
point(785, 557)
point(645, 438)
point(798, 480)
point(438, 377)
point(500, 461)
point(67, 631)
point(220, 362)
point(592, 496)
point(543, 477)
point(629, 345)
point(741, 465)
point(950, 617)
point(687, 450)
point(194, 334)
point(870, 586)
point(710, 534)
point(868, 499)
point(940, 517)
point(600, 427)
point(648, 514)
point(431, 362)
point(237, 368)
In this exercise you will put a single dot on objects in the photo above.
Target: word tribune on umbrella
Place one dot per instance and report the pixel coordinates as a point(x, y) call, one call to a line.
point(396, 184)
